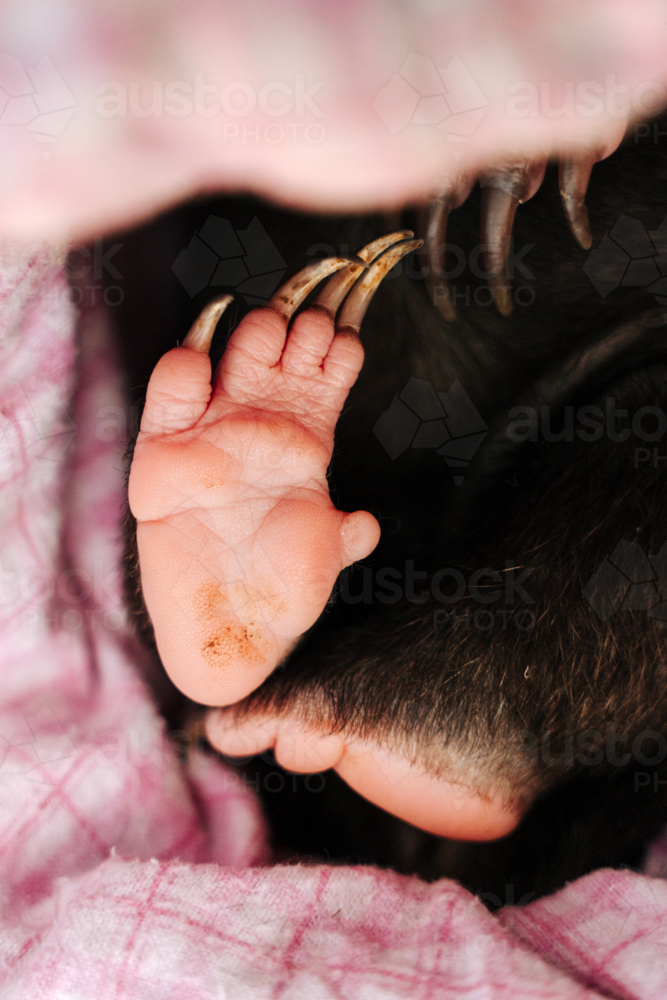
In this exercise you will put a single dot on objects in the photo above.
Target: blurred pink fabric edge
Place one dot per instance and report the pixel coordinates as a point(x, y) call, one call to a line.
point(360, 143)
point(124, 874)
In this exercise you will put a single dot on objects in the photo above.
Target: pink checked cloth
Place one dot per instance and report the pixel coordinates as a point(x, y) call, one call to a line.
point(124, 874)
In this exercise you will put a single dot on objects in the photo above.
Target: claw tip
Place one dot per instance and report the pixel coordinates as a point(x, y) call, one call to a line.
point(201, 332)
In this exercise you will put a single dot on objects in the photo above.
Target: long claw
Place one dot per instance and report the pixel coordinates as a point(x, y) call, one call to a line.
point(336, 288)
point(355, 305)
point(497, 219)
point(289, 296)
point(201, 332)
point(574, 175)
point(502, 193)
point(436, 218)
point(373, 250)
point(453, 192)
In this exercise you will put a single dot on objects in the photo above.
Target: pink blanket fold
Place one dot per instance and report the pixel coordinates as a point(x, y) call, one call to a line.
point(124, 874)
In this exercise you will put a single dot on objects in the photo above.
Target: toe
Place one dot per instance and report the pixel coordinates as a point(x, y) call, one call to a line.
point(308, 342)
point(256, 344)
point(178, 392)
point(344, 360)
point(297, 747)
point(240, 738)
point(360, 533)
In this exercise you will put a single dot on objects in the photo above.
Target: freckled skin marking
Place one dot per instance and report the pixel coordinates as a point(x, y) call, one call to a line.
point(231, 642)
point(208, 600)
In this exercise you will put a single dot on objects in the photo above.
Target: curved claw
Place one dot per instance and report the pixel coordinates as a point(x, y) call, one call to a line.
point(201, 332)
point(373, 250)
point(336, 288)
point(436, 218)
point(497, 219)
point(502, 193)
point(289, 296)
point(434, 221)
point(573, 176)
point(357, 302)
